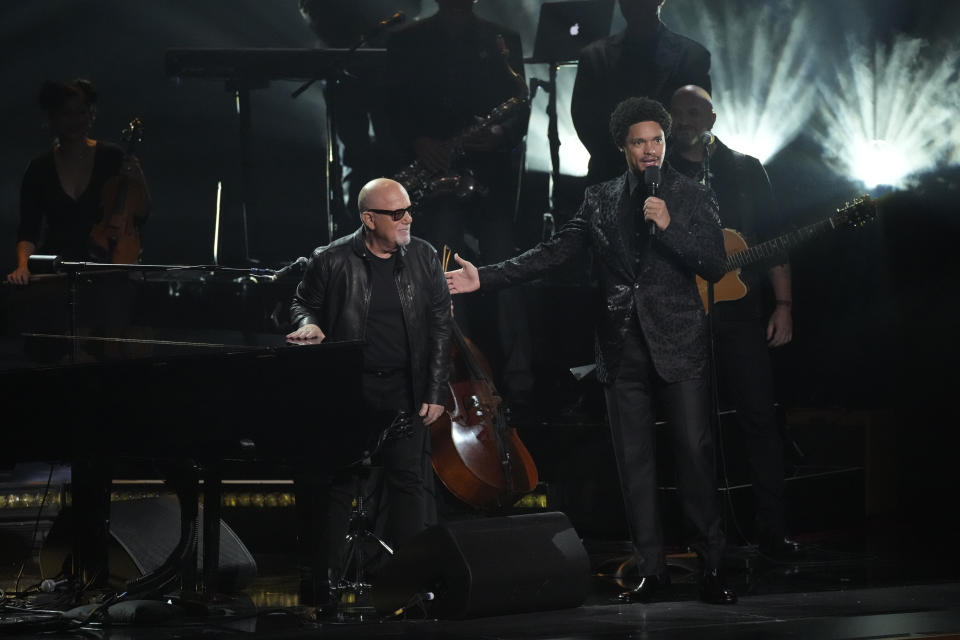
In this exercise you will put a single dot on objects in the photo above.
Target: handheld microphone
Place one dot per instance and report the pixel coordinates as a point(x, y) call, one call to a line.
point(651, 177)
point(49, 585)
point(707, 138)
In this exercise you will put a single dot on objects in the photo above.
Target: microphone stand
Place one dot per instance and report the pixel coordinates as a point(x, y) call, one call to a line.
point(553, 134)
point(333, 164)
point(553, 138)
point(716, 413)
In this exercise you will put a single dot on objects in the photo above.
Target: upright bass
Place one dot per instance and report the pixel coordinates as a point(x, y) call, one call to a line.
point(478, 457)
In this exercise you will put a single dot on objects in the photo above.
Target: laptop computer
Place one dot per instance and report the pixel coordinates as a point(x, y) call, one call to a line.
point(567, 27)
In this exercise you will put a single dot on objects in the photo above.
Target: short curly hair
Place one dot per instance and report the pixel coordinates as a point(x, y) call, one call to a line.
point(53, 95)
point(633, 110)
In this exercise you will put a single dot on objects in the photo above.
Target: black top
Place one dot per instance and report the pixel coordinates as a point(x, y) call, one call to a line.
point(54, 221)
point(634, 227)
point(386, 348)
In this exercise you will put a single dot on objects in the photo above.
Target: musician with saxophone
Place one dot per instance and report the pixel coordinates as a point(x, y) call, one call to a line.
point(446, 72)
point(457, 114)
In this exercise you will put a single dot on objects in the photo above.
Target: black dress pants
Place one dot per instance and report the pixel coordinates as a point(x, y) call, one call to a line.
point(632, 425)
point(324, 497)
point(746, 382)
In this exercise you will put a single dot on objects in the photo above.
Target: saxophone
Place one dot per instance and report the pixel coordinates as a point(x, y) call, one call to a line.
point(423, 184)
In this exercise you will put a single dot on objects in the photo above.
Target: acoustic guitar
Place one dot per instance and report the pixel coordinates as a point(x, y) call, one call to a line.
point(731, 287)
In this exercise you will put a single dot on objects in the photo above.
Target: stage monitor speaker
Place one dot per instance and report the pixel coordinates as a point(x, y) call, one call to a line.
point(490, 566)
point(143, 533)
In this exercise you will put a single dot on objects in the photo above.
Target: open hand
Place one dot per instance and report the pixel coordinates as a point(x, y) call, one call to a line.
point(463, 280)
point(20, 275)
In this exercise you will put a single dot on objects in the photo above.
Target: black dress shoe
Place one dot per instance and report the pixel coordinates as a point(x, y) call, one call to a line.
point(645, 589)
point(713, 589)
point(781, 548)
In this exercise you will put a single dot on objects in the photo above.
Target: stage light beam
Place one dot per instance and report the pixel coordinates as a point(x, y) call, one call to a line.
point(890, 114)
point(762, 68)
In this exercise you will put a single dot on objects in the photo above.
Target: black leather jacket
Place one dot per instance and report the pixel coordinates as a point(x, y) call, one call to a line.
point(664, 292)
point(335, 296)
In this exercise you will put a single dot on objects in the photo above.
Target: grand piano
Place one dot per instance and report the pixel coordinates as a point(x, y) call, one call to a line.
point(93, 385)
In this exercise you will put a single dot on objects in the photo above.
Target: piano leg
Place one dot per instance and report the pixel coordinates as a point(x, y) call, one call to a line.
point(312, 490)
point(90, 494)
point(212, 478)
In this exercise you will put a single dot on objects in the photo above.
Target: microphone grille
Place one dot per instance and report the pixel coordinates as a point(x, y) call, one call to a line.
point(651, 175)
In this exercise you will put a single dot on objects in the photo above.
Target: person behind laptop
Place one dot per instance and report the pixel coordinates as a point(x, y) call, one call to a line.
point(645, 59)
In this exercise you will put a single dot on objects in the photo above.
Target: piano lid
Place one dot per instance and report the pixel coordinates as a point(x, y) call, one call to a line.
point(50, 350)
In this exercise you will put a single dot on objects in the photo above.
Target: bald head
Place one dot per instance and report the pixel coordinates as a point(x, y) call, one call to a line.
point(693, 92)
point(386, 216)
point(377, 191)
point(692, 110)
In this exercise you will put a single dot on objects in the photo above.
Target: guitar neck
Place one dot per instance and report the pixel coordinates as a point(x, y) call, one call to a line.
point(777, 245)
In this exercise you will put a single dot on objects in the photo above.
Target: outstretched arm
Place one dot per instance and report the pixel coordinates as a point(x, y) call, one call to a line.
point(465, 279)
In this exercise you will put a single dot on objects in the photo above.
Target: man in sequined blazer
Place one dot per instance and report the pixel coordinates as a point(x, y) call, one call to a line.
point(651, 332)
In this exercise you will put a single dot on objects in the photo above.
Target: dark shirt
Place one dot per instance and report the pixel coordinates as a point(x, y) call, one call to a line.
point(386, 348)
point(54, 221)
point(635, 229)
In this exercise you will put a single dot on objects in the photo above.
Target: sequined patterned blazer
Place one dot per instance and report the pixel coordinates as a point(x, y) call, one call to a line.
point(662, 287)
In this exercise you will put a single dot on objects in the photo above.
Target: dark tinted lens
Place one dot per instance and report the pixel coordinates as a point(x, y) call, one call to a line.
point(396, 214)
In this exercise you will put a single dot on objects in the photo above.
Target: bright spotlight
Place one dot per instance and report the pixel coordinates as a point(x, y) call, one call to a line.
point(890, 114)
point(875, 162)
point(761, 68)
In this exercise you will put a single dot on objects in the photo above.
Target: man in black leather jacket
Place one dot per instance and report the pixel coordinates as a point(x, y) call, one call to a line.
point(385, 287)
point(651, 331)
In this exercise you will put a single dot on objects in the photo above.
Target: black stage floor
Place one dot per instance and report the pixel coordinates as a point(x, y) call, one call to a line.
point(880, 580)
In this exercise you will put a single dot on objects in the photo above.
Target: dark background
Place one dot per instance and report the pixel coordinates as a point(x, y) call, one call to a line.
point(875, 309)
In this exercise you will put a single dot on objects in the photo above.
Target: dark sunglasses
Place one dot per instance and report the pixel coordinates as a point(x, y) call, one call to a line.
point(396, 214)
